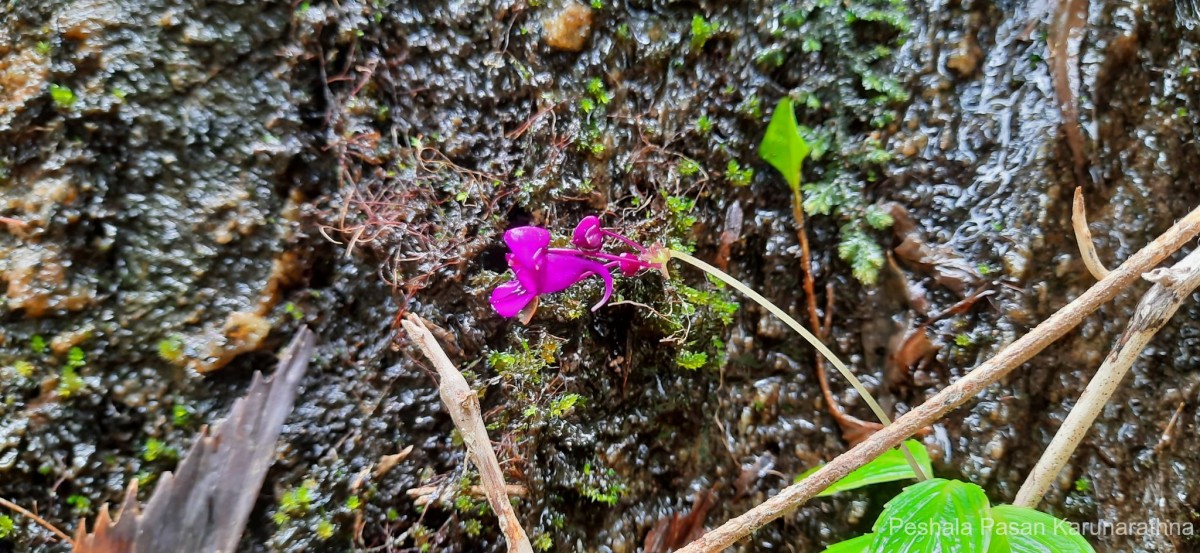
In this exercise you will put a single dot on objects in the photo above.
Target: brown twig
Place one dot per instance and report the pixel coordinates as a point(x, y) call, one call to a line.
point(41, 521)
point(1172, 287)
point(1083, 237)
point(463, 405)
point(956, 394)
point(853, 428)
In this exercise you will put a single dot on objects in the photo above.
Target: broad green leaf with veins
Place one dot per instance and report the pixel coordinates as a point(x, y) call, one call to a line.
point(934, 516)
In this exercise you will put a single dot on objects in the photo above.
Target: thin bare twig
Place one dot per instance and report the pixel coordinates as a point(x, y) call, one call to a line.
point(463, 405)
point(853, 428)
point(956, 394)
point(1172, 286)
point(1083, 237)
point(41, 521)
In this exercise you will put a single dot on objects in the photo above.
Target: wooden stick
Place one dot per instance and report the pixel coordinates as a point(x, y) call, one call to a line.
point(41, 521)
point(463, 405)
point(1172, 287)
point(1083, 237)
point(956, 394)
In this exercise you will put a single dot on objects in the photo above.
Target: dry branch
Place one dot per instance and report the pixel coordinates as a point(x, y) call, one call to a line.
point(1083, 237)
point(463, 405)
point(956, 394)
point(1172, 286)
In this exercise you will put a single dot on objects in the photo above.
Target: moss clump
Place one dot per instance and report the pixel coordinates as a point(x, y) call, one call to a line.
point(601, 486)
point(63, 97)
point(171, 348)
point(736, 175)
point(70, 383)
point(702, 30)
point(156, 449)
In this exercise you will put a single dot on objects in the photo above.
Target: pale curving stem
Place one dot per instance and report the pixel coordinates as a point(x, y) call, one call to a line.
point(463, 405)
point(954, 395)
point(810, 337)
point(1172, 286)
point(1083, 237)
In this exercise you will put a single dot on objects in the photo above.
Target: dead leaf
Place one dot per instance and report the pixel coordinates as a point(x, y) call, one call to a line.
point(671, 533)
point(203, 506)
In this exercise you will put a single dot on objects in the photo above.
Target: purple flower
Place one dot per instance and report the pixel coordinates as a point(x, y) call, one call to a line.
point(540, 269)
point(589, 236)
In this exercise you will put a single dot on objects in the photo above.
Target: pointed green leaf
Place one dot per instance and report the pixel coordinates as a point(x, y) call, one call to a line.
point(1032, 531)
point(782, 146)
point(856, 545)
point(889, 467)
point(936, 515)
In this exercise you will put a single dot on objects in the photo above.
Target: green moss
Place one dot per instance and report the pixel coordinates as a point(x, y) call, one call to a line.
point(472, 526)
point(864, 255)
point(392, 515)
point(691, 360)
point(171, 348)
point(180, 415)
point(6, 526)
point(70, 383)
point(963, 340)
point(879, 219)
point(297, 501)
point(291, 309)
point(156, 449)
point(24, 368)
point(543, 542)
point(736, 175)
point(601, 486)
point(702, 30)
point(703, 125)
point(688, 167)
point(80, 505)
point(38, 344)
point(63, 97)
point(353, 503)
point(562, 405)
point(43, 48)
point(325, 529)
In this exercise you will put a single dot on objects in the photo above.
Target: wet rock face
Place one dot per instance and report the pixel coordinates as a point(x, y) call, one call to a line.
point(174, 165)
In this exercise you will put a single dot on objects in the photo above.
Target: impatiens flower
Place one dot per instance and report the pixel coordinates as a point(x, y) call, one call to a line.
point(540, 269)
point(588, 234)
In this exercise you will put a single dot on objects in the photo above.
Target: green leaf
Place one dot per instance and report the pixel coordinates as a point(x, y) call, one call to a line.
point(856, 545)
point(889, 467)
point(1032, 531)
point(782, 146)
point(934, 515)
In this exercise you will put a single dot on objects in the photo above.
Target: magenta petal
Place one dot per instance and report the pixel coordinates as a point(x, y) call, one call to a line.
point(565, 270)
point(588, 234)
point(608, 289)
point(528, 245)
point(510, 298)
